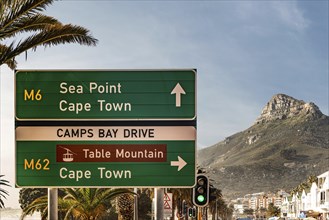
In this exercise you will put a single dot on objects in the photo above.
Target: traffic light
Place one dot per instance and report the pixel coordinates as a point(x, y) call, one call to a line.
point(184, 208)
point(192, 212)
point(201, 191)
point(179, 207)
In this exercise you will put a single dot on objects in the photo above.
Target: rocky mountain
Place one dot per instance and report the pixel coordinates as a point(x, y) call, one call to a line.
point(288, 142)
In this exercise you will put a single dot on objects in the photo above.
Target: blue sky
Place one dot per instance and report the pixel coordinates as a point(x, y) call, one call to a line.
point(245, 52)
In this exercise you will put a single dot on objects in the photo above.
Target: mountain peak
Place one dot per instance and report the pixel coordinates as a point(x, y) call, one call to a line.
point(290, 142)
point(282, 106)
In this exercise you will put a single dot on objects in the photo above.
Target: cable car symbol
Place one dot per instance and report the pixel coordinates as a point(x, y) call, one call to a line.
point(68, 156)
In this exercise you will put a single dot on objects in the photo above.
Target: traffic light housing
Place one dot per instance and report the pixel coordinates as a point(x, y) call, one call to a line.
point(201, 191)
point(192, 212)
point(184, 208)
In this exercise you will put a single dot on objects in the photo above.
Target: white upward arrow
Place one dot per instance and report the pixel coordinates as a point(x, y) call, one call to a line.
point(180, 163)
point(178, 90)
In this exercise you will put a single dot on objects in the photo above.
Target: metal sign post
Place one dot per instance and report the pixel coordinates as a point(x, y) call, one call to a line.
point(53, 203)
point(159, 208)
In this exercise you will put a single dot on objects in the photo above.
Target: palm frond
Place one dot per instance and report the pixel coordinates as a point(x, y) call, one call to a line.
point(51, 36)
point(2, 204)
point(3, 193)
point(2, 181)
point(110, 194)
point(83, 203)
point(6, 55)
point(71, 194)
point(61, 34)
point(69, 206)
point(21, 16)
point(102, 196)
point(13, 10)
point(11, 63)
point(38, 204)
point(33, 23)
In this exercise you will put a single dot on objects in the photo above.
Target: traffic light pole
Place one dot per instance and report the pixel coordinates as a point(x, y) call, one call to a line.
point(199, 217)
point(202, 213)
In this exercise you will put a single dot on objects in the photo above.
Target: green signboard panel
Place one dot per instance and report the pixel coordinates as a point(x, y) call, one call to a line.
point(105, 156)
point(106, 95)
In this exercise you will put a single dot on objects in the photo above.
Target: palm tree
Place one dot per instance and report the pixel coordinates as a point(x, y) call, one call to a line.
point(145, 203)
point(3, 193)
point(216, 202)
point(89, 203)
point(24, 16)
point(125, 206)
point(81, 203)
point(273, 210)
point(302, 187)
point(294, 191)
point(40, 204)
point(180, 194)
point(311, 179)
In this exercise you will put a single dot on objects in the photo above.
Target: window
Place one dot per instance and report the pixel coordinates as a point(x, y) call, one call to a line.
point(322, 197)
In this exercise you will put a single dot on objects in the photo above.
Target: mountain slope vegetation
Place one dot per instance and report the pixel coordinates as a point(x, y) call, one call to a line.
point(288, 142)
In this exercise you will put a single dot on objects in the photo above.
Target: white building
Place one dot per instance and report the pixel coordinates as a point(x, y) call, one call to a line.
point(311, 201)
point(323, 194)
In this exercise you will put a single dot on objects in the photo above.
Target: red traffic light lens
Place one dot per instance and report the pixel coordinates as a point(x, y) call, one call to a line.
point(201, 181)
point(201, 190)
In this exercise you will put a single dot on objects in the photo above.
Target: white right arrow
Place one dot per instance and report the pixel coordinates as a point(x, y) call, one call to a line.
point(178, 90)
point(180, 163)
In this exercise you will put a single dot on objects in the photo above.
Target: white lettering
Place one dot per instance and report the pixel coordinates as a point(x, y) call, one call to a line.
point(96, 153)
point(116, 174)
point(117, 107)
point(107, 88)
point(138, 154)
point(71, 88)
point(74, 174)
point(74, 107)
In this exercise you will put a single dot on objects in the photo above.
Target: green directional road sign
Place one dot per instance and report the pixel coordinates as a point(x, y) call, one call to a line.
point(67, 150)
point(155, 156)
point(106, 95)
